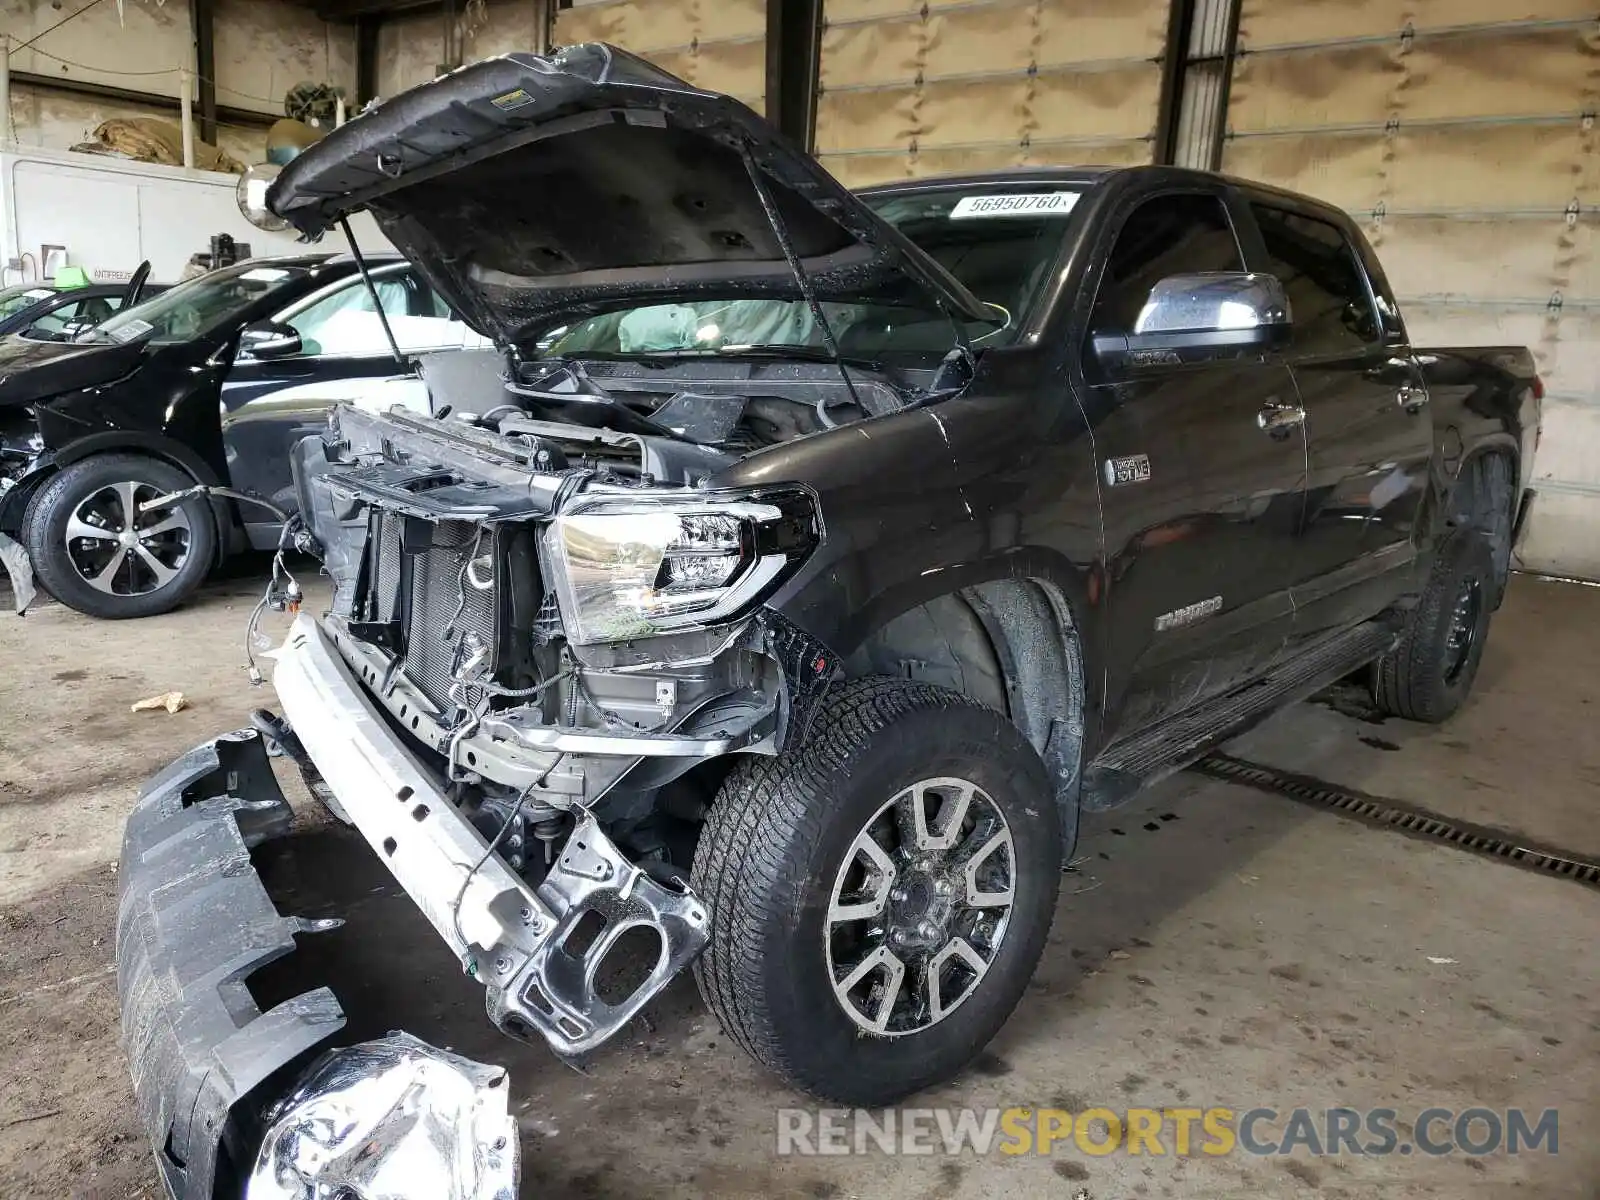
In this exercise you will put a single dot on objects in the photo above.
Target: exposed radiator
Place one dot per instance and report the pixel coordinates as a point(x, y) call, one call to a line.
point(437, 585)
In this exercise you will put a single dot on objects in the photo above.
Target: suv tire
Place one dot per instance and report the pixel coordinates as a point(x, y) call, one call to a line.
point(782, 852)
point(1428, 675)
point(111, 576)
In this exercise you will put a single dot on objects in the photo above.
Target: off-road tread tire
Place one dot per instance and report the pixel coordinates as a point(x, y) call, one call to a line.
point(767, 805)
point(1409, 681)
point(46, 550)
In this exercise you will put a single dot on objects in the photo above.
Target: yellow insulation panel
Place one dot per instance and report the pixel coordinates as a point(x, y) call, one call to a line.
point(907, 91)
point(715, 44)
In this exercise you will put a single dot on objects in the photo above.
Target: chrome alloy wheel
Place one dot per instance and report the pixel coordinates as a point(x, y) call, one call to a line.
point(920, 907)
point(118, 549)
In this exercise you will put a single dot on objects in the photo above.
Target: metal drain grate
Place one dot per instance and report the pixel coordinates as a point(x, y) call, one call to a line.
point(1407, 818)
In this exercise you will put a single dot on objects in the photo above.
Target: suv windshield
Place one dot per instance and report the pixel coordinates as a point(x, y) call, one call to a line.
point(197, 306)
point(998, 241)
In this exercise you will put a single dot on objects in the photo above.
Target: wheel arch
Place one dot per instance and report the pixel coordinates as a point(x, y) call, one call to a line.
point(1484, 497)
point(125, 441)
point(1013, 644)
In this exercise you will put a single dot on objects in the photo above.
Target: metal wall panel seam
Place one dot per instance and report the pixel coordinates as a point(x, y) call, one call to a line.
point(701, 44)
point(918, 13)
point(1089, 66)
point(941, 147)
point(1437, 300)
point(1398, 125)
point(1030, 121)
point(1417, 35)
point(1570, 487)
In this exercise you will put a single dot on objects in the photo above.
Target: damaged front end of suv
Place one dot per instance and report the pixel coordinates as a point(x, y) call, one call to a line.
point(562, 604)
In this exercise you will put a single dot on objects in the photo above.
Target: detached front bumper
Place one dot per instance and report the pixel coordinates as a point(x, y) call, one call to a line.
point(193, 921)
point(509, 935)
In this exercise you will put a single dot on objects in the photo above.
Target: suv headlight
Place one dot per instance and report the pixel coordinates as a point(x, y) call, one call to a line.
point(628, 568)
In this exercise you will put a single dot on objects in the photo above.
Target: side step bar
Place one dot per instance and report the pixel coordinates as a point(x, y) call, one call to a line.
point(1153, 753)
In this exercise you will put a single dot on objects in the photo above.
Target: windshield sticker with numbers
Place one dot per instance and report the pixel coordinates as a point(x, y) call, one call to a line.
point(1015, 204)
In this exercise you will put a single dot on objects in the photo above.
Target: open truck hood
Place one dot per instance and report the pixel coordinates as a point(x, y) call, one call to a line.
point(533, 191)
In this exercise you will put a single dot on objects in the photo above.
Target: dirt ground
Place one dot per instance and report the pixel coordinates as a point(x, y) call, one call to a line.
point(1216, 946)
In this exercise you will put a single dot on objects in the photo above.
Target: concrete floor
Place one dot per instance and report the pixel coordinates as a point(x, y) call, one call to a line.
point(1217, 946)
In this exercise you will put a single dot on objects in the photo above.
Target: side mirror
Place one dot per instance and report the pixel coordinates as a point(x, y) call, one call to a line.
point(268, 339)
point(1201, 316)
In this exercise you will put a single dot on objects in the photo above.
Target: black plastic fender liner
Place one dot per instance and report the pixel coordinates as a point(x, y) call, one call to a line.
point(193, 921)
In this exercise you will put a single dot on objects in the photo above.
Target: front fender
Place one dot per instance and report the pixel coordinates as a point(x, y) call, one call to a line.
point(154, 444)
point(14, 501)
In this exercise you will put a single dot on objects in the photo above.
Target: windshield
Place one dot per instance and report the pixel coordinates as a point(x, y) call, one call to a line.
point(199, 305)
point(25, 295)
point(998, 241)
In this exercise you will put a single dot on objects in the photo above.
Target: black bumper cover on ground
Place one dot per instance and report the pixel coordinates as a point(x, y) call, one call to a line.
point(193, 921)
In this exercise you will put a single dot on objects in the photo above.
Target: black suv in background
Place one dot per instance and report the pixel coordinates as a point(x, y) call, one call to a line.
point(209, 382)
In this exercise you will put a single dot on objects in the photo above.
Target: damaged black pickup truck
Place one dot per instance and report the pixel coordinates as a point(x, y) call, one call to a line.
point(811, 562)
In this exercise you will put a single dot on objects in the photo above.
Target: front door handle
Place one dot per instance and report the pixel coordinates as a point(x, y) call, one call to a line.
point(1278, 419)
point(1411, 398)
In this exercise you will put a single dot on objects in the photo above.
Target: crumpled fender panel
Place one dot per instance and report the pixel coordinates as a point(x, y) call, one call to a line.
point(193, 921)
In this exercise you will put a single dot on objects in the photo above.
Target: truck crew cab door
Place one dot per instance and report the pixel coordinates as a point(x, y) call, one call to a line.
point(1369, 433)
point(1202, 464)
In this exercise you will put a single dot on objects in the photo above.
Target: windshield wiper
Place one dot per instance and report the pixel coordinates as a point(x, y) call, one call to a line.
point(753, 350)
point(571, 389)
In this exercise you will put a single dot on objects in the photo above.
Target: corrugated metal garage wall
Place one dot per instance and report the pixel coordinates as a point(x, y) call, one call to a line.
point(1462, 134)
point(716, 44)
point(908, 88)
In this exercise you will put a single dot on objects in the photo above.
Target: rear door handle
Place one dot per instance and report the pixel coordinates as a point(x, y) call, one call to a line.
point(1277, 419)
point(1411, 398)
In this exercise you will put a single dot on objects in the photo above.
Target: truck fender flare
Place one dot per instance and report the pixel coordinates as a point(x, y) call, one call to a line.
point(1446, 478)
point(1023, 601)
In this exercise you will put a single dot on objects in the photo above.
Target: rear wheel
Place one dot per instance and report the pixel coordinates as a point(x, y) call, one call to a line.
point(880, 895)
point(1428, 675)
point(95, 550)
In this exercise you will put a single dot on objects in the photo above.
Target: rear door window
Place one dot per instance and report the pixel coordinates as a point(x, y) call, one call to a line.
point(1328, 296)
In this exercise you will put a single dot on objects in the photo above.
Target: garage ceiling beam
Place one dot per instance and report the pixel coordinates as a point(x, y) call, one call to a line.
point(1202, 42)
point(1174, 63)
point(794, 60)
point(102, 91)
point(367, 27)
point(202, 20)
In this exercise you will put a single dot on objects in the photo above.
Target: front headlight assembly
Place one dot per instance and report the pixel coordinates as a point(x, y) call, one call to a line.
point(626, 568)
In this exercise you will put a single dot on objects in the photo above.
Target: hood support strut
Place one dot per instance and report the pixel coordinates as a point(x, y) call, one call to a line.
point(372, 290)
point(781, 232)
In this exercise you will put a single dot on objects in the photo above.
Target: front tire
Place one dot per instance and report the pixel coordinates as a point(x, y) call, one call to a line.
point(1428, 675)
point(96, 552)
point(821, 877)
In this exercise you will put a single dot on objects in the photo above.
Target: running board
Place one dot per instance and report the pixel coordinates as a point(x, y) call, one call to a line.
point(1153, 753)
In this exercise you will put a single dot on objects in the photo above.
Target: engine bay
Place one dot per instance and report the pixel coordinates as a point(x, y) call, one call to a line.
point(730, 405)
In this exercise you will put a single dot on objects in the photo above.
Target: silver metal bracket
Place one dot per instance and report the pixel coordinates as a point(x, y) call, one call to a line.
point(558, 989)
